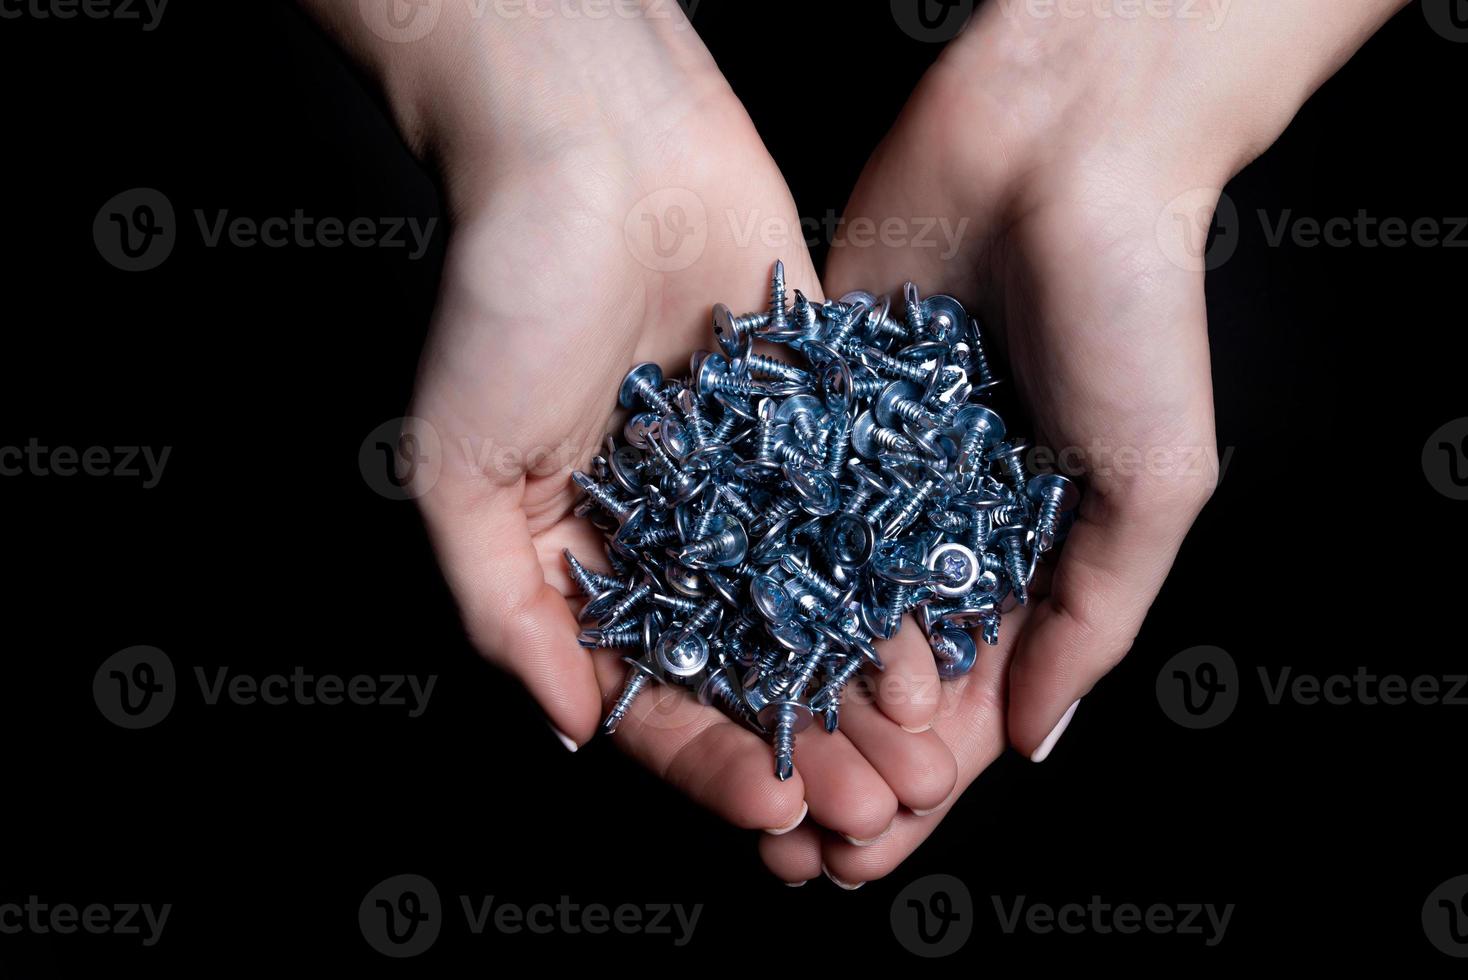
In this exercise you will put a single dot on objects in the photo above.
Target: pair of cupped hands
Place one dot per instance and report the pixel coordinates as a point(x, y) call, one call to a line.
point(1055, 147)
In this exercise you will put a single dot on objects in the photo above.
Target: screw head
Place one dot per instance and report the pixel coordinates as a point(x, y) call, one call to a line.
point(850, 541)
point(955, 569)
point(643, 375)
point(955, 651)
point(771, 600)
point(1049, 485)
point(682, 656)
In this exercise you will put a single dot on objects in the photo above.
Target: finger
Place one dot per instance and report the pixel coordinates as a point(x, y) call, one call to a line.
point(917, 766)
point(907, 689)
point(794, 858)
point(970, 724)
point(1111, 568)
point(714, 761)
point(514, 617)
point(845, 793)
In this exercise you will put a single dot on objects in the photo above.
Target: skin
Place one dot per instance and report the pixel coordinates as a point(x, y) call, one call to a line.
point(1064, 142)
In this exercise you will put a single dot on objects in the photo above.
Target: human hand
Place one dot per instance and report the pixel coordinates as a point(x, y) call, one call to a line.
point(1085, 157)
point(553, 288)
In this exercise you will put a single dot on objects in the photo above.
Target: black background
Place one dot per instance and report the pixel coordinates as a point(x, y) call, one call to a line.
point(263, 548)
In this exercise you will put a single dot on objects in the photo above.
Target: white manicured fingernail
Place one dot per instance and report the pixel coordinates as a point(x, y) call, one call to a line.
point(804, 809)
point(1043, 752)
point(869, 842)
point(837, 881)
point(797, 884)
point(566, 740)
point(917, 731)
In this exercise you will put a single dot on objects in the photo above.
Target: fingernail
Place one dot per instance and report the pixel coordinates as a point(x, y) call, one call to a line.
point(566, 740)
point(804, 809)
point(797, 884)
point(837, 881)
point(917, 731)
point(1043, 752)
point(867, 843)
point(924, 813)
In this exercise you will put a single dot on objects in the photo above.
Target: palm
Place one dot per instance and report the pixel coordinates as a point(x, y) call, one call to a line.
point(1104, 342)
point(551, 295)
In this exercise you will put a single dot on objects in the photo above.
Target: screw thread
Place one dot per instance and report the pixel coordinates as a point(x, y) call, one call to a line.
point(587, 582)
point(806, 427)
point(912, 411)
point(739, 387)
point(838, 445)
point(894, 367)
point(702, 617)
point(1017, 568)
point(727, 698)
point(764, 440)
point(632, 600)
point(760, 366)
point(978, 356)
point(817, 582)
point(636, 681)
point(892, 439)
point(785, 742)
point(654, 398)
point(738, 505)
point(978, 532)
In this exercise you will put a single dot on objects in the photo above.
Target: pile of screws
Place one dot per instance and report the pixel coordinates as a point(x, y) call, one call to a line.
point(770, 521)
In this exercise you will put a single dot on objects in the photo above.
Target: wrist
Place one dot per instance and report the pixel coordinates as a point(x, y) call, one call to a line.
point(1197, 89)
point(480, 89)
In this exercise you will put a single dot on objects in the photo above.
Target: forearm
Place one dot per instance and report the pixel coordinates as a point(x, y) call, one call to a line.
point(1223, 76)
point(488, 85)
